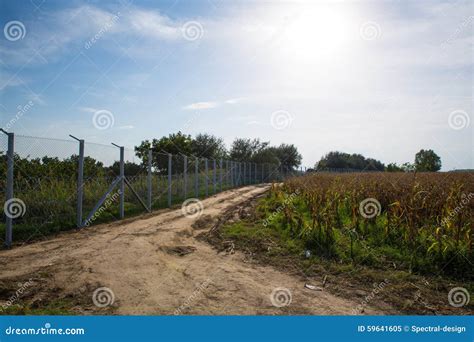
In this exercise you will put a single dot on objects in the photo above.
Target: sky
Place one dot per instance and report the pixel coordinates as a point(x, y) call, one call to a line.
point(380, 78)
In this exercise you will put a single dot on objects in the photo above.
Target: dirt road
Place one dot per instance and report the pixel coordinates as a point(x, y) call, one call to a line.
point(155, 265)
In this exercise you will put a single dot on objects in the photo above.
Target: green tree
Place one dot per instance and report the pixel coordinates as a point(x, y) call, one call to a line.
point(176, 144)
point(266, 156)
point(208, 146)
point(288, 156)
point(427, 161)
point(393, 167)
point(245, 149)
point(341, 160)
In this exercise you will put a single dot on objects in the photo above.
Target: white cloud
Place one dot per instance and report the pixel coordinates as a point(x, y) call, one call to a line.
point(153, 24)
point(201, 105)
point(234, 101)
point(126, 127)
point(213, 104)
point(88, 109)
point(52, 35)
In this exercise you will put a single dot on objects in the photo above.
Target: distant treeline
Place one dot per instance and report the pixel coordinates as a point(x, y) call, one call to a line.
point(425, 160)
point(178, 144)
point(212, 147)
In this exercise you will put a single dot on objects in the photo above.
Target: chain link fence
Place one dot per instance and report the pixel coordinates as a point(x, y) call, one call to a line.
point(51, 185)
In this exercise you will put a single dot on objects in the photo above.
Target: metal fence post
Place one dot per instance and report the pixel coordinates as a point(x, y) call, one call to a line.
point(149, 183)
point(80, 181)
point(239, 180)
point(221, 163)
point(185, 176)
point(9, 189)
point(242, 165)
point(254, 166)
point(122, 182)
point(206, 170)
point(252, 180)
point(170, 161)
point(214, 175)
point(248, 172)
point(196, 178)
point(255, 175)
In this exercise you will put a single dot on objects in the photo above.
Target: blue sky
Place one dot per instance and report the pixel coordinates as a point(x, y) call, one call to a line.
point(384, 79)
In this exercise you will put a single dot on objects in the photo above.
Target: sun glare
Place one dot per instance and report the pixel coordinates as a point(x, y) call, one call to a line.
point(314, 33)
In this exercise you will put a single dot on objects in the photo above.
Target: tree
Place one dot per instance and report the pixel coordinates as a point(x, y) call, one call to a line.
point(427, 161)
point(245, 149)
point(393, 167)
point(342, 160)
point(266, 156)
point(288, 156)
point(408, 167)
point(208, 146)
point(176, 144)
point(130, 169)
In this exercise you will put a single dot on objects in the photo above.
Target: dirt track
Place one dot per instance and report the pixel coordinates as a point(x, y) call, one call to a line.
point(155, 265)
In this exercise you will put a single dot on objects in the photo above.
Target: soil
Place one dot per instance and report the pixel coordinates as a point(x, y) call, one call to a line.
point(157, 265)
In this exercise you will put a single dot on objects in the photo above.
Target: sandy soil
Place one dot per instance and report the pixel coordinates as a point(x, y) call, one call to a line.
point(155, 265)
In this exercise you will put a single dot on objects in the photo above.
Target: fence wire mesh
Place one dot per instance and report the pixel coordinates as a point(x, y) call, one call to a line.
point(44, 185)
point(3, 181)
point(47, 173)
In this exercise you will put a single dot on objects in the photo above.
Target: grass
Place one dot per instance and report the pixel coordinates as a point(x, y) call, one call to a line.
point(412, 288)
point(55, 307)
point(51, 206)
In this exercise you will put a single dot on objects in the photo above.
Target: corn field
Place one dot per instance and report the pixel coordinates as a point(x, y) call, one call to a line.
point(421, 222)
